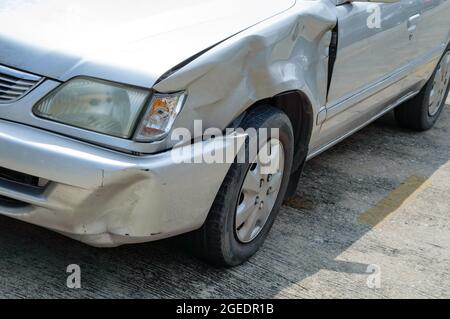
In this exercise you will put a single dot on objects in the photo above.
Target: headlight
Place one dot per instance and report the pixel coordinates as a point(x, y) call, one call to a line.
point(160, 116)
point(95, 105)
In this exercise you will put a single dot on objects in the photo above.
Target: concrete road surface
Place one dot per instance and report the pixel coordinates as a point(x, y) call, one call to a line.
point(371, 219)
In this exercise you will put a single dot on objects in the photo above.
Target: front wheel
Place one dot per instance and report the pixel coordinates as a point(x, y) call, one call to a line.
point(251, 194)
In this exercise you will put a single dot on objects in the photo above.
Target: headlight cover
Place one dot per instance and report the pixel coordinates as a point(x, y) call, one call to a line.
point(160, 116)
point(95, 105)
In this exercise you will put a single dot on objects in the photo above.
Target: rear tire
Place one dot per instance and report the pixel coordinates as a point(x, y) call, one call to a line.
point(218, 242)
point(422, 112)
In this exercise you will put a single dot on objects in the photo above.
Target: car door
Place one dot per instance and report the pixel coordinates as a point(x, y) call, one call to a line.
point(431, 31)
point(373, 52)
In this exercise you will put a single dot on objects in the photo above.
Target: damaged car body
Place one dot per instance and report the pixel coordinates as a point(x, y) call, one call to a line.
point(90, 93)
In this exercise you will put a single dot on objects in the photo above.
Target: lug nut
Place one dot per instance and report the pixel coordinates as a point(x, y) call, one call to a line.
point(257, 200)
point(269, 178)
point(261, 206)
point(269, 191)
point(261, 183)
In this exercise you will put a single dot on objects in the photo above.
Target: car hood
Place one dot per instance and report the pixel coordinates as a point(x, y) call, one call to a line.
point(127, 41)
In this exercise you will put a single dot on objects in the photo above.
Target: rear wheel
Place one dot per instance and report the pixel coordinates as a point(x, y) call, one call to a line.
point(250, 196)
point(422, 112)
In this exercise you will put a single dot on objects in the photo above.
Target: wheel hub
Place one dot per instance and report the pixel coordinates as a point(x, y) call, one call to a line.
point(259, 193)
point(440, 84)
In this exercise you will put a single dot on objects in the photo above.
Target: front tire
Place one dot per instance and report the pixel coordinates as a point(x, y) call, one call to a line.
point(231, 234)
point(422, 112)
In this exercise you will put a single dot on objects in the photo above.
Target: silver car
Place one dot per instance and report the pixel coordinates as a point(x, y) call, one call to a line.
point(95, 94)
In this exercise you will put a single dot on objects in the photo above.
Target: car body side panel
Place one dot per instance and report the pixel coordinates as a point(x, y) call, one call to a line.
point(377, 68)
point(362, 64)
point(367, 54)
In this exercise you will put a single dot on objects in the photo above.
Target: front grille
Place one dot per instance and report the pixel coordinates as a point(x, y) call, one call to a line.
point(9, 202)
point(19, 178)
point(31, 183)
point(15, 84)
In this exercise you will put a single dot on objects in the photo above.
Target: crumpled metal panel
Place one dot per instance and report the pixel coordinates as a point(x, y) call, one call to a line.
point(289, 52)
point(106, 198)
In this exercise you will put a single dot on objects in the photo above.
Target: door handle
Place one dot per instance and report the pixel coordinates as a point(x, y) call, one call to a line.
point(413, 22)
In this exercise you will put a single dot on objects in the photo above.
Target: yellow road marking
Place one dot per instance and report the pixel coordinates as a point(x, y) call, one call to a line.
point(398, 198)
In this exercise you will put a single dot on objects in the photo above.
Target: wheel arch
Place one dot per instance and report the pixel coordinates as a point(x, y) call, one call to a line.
point(298, 107)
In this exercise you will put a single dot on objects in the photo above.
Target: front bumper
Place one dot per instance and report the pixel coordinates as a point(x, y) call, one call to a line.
point(106, 198)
